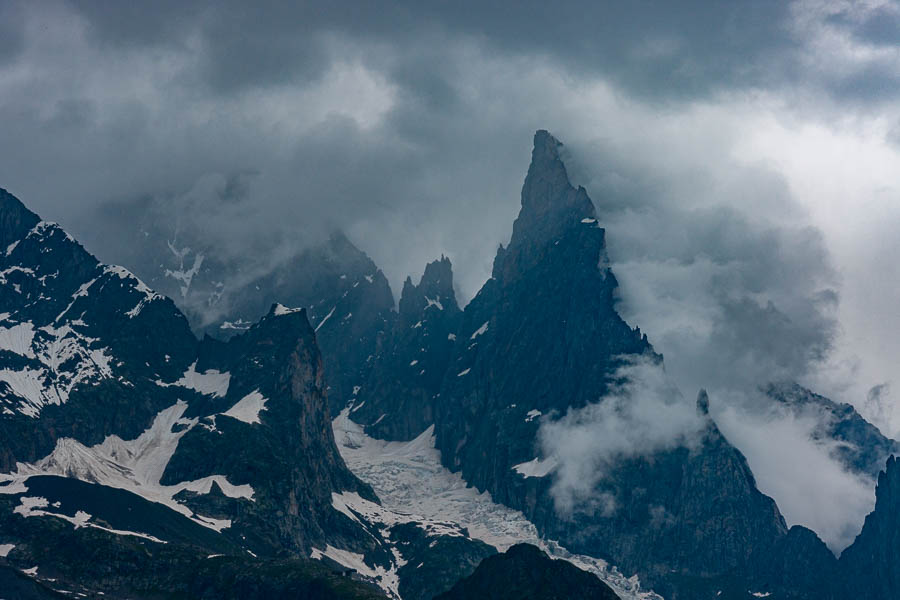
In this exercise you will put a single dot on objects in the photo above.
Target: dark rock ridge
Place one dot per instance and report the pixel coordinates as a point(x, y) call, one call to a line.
point(525, 573)
point(397, 402)
point(350, 305)
point(869, 566)
point(861, 448)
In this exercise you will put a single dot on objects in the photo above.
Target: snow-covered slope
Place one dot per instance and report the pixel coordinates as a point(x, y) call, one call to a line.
point(413, 486)
point(135, 465)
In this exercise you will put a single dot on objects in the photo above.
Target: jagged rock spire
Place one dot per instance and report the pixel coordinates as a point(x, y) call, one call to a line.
point(435, 288)
point(550, 203)
point(702, 402)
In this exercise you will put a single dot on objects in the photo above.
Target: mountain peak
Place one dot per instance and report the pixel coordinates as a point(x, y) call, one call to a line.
point(702, 402)
point(438, 274)
point(435, 288)
point(550, 203)
point(546, 147)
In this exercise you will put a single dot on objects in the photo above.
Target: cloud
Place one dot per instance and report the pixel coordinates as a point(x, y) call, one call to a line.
point(642, 415)
point(811, 488)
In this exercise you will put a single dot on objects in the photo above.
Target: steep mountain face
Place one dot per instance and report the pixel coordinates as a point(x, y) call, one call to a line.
point(269, 430)
point(861, 448)
point(523, 573)
point(543, 337)
point(869, 566)
point(219, 447)
point(397, 401)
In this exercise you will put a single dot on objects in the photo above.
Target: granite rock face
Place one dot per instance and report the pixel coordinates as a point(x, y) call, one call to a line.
point(397, 401)
point(350, 305)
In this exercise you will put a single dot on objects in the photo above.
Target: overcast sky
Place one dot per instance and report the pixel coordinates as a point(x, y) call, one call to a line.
point(744, 156)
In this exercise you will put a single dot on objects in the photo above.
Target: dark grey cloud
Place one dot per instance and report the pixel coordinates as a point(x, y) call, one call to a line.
point(12, 36)
point(656, 50)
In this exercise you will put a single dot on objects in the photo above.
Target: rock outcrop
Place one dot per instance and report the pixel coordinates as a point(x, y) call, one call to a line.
point(525, 573)
point(397, 401)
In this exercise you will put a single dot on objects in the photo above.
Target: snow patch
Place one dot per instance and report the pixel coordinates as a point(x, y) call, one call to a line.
point(211, 382)
point(182, 275)
point(531, 415)
point(281, 309)
point(536, 467)
point(247, 408)
point(480, 330)
point(328, 316)
point(5, 549)
point(463, 372)
point(17, 339)
point(60, 359)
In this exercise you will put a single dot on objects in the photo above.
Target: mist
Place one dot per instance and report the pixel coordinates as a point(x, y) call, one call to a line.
point(643, 415)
